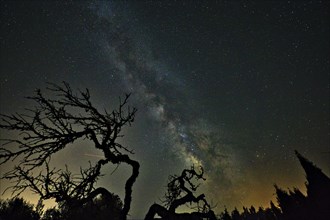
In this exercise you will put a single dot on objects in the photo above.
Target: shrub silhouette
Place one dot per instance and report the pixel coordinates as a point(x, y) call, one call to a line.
point(100, 208)
point(17, 209)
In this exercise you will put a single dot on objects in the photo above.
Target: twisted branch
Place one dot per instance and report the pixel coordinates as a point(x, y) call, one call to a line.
point(53, 125)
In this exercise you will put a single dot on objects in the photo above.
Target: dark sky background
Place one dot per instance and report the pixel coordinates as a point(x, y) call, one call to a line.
point(235, 86)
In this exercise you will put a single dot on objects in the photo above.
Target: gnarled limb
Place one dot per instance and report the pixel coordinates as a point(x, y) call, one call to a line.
point(180, 191)
point(53, 125)
point(156, 209)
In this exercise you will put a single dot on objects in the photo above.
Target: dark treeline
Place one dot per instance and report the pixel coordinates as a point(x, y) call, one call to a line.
point(291, 204)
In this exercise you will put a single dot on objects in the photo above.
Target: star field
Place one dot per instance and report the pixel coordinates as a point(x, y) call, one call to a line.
point(233, 86)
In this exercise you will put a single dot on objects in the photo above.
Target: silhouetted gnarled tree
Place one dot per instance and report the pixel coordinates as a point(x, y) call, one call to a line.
point(180, 191)
point(51, 126)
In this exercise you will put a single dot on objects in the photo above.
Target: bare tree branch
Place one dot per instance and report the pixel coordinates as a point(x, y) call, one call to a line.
point(53, 125)
point(180, 191)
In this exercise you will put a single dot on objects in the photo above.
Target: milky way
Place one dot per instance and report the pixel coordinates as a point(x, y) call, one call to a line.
point(170, 103)
point(233, 87)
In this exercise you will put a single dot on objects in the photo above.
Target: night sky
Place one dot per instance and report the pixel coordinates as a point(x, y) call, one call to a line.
point(235, 86)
